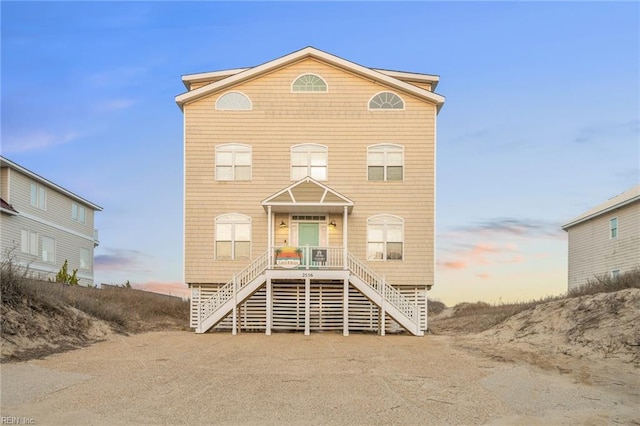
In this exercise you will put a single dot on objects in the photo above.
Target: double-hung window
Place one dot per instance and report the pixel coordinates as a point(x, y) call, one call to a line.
point(385, 238)
point(48, 249)
point(28, 242)
point(78, 213)
point(385, 162)
point(38, 196)
point(233, 237)
point(613, 228)
point(233, 162)
point(309, 160)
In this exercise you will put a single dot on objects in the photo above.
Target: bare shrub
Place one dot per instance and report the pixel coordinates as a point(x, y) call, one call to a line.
point(607, 283)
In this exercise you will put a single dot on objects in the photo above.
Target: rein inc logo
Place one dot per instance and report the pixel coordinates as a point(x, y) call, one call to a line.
point(12, 420)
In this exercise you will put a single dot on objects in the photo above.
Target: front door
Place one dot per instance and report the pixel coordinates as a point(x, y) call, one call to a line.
point(308, 235)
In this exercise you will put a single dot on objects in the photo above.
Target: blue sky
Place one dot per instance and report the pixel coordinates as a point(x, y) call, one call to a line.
point(541, 120)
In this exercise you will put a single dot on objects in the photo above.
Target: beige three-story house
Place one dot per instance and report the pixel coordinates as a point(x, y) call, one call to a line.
point(309, 196)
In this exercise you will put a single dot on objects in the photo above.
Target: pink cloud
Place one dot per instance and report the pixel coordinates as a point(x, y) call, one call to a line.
point(483, 276)
point(171, 288)
point(454, 265)
point(483, 253)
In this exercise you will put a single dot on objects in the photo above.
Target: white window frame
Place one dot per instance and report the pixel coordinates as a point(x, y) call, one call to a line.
point(38, 196)
point(234, 105)
point(234, 149)
point(78, 213)
point(385, 148)
point(232, 219)
point(308, 149)
point(386, 221)
point(87, 266)
point(379, 108)
point(615, 273)
point(614, 231)
point(46, 256)
point(293, 89)
point(28, 242)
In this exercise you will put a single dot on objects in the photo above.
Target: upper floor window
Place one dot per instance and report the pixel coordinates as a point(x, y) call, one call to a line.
point(615, 274)
point(234, 101)
point(78, 213)
point(613, 228)
point(309, 160)
point(38, 196)
point(386, 100)
point(385, 162)
point(385, 237)
point(48, 249)
point(309, 83)
point(233, 237)
point(233, 162)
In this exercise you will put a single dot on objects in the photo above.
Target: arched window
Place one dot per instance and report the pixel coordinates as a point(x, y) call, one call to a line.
point(309, 83)
point(233, 162)
point(309, 160)
point(386, 100)
point(233, 237)
point(385, 238)
point(233, 101)
point(385, 162)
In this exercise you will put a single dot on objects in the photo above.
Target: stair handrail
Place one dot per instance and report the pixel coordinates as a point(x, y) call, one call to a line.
point(391, 295)
point(237, 283)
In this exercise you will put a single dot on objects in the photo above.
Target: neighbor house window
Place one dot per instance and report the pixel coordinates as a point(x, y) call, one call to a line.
point(85, 258)
point(386, 100)
point(385, 238)
point(309, 83)
point(38, 196)
point(48, 249)
point(309, 160)
point(385, 162)
point(233, 237)
point(233, 162)
point(613, 228)
point(78, 213)
point(234, 101)
point(615, 273)
point(28, 242)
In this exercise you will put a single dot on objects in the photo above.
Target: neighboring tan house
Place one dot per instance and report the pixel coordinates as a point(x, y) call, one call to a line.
point(309, 196)
point(606, 239)
point(44, 224)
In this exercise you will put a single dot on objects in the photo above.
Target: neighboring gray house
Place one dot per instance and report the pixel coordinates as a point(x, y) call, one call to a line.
point(606, 239)
point(43, 224)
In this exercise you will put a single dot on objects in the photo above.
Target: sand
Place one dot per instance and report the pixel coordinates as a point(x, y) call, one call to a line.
point(328, 379)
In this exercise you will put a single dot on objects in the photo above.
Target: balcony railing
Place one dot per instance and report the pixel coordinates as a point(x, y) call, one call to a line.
point(307, 257)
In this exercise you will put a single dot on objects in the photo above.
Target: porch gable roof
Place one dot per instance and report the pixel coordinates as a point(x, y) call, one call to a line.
point(307, 196)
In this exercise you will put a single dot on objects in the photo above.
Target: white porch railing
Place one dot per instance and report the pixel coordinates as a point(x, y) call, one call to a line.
point(227, 291)
point(390, 294)
point(307, 257)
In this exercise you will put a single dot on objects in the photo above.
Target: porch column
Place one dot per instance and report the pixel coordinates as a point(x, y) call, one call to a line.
point(345, 235)
point(345, 309)
point(307, 306)
point(269, 307)
point(269, 237)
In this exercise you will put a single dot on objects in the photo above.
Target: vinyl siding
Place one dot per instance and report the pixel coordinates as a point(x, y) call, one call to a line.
point(340, 120)
point(592, 252)
point(54, 222)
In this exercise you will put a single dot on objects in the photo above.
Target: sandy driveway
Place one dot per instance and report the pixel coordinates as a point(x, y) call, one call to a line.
point(183, 378)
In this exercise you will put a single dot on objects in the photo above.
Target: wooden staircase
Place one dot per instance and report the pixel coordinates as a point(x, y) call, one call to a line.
point(213, 309)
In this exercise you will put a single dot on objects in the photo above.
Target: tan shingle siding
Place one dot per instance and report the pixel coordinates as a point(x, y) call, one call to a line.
point(340, 120)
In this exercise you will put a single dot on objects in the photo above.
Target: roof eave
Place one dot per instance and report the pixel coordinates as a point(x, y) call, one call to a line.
point(609, 209)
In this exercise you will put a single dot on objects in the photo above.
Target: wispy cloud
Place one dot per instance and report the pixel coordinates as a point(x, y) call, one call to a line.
point(114, 105)
point(120, 76)
point(119, 259)
point(607, 131)
point(36, 140)
point(513, 227)
point(466, 256)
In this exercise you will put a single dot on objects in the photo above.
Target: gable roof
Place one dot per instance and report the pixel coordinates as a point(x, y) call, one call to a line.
point(307, 195)
point(7, 208)
point(627, 197)
point(236, 76)
point(5, 162)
